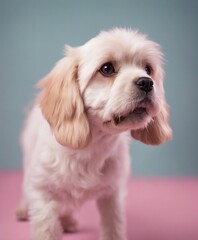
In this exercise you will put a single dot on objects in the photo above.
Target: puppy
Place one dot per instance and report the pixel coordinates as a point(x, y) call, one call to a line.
point(76, 138)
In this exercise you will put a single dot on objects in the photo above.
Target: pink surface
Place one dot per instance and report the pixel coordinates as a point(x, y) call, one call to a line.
point(156, 209)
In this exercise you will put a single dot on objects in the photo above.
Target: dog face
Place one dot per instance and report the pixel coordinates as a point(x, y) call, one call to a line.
point(116, 81)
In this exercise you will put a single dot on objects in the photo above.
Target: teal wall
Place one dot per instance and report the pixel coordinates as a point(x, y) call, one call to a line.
point(32, 36)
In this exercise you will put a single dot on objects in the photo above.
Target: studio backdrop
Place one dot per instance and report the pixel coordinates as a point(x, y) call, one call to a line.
point(32, 39)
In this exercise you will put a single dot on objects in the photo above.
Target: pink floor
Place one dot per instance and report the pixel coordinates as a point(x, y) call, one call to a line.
point(156, 209)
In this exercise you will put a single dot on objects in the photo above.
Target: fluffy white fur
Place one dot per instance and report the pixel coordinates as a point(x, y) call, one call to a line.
point(76, 138)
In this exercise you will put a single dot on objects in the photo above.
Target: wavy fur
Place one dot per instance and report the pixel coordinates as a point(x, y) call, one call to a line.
point(76, 138)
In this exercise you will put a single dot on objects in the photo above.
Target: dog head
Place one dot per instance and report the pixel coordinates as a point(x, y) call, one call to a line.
point(116, 81)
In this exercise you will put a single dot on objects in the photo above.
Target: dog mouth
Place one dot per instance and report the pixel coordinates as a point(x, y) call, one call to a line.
point(138, 112)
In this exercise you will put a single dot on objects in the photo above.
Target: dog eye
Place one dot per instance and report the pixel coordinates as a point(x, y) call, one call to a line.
point(107, 69)
point(148, 69)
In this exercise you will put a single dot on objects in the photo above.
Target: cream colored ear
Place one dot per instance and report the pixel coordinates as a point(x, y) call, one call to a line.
point(158, 131)
point(62, 105)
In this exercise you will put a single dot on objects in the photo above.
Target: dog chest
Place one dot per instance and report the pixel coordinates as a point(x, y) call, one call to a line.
point(79, 181)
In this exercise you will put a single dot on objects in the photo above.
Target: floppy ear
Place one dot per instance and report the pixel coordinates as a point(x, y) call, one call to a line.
point(62, 105)
point(158, 130)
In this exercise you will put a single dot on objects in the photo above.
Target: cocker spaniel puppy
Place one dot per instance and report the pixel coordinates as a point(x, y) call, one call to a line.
point(76, 138)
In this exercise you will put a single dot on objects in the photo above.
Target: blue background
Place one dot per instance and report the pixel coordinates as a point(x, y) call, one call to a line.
point(32, 37)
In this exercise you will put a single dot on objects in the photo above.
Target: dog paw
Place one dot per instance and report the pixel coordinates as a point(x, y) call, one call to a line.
point(21, 213)
point(69, 224)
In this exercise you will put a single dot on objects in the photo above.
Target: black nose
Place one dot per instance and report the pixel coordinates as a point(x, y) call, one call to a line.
point(145, 84)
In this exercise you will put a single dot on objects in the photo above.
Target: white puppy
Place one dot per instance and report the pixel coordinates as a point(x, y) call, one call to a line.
point(76, 138)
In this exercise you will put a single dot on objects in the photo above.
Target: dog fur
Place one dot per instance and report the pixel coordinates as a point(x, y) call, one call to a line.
point(76, 138)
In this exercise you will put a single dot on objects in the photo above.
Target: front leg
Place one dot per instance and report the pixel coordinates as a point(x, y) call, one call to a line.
point(44, 219)
point(112, 217)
